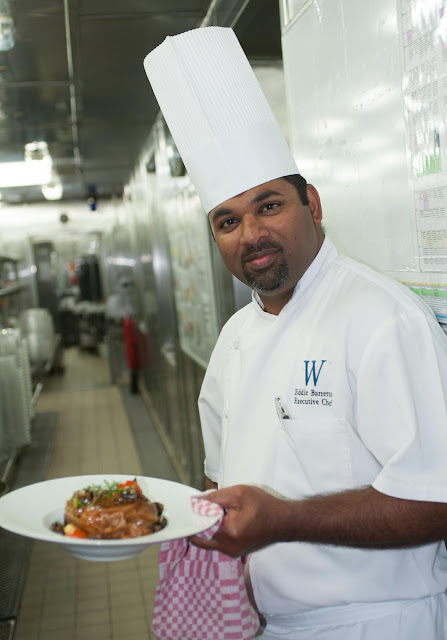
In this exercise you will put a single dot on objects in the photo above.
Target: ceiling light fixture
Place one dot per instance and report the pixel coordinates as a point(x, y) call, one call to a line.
point(37, 152)
point(36, 169)
point(24, 174)
point(54, 189)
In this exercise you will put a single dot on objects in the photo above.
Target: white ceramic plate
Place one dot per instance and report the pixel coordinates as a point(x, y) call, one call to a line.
point(31, 510)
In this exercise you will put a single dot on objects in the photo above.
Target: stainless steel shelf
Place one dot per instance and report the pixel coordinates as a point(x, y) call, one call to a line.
point(15, 288)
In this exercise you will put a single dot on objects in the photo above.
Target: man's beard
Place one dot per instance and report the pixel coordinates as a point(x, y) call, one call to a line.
point(270, 278)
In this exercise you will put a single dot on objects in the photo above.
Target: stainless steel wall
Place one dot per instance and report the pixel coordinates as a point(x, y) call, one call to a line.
point(163, 237)
point(139, 243)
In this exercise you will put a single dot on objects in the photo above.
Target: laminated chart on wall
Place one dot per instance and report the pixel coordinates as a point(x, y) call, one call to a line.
point(424, 39)
point(192, 273)
point(431, 287)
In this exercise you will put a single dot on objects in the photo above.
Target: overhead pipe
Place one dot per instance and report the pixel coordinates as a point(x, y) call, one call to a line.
point(73, 104)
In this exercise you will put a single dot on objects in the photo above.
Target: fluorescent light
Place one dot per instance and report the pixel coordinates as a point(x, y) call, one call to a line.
point(36, 169)
point(23, 174)
point(37, 152)
point(53, 190)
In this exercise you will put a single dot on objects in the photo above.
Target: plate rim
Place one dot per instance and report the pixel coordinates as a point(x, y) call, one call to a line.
point(146, 540)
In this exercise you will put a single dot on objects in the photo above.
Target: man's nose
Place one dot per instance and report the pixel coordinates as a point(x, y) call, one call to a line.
point(253, 229)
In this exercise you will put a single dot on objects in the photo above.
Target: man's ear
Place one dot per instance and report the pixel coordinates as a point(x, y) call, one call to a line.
point(314, 203)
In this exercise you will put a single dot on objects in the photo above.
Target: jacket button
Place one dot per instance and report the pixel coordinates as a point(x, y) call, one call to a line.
point(236, 344)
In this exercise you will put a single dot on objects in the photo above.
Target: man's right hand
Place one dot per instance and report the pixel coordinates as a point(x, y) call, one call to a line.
point(249, 523)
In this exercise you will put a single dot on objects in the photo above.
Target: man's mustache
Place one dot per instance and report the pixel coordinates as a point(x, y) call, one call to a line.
point(262, 246)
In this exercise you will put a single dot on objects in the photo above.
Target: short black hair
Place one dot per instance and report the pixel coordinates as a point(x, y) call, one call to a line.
point(300, 185)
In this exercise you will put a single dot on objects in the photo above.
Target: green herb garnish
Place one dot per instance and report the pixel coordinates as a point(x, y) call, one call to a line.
point(108, 489)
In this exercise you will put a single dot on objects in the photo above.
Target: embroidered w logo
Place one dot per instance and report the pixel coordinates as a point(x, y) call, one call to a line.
point(310, 371)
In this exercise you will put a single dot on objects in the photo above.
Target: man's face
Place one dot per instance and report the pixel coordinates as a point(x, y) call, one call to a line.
point(267, 238)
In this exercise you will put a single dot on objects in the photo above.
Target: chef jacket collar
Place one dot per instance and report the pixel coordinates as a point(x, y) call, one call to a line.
point(326, 254)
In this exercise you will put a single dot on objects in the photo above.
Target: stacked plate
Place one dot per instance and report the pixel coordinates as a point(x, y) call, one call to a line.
point(15, 391)
point(38, 329)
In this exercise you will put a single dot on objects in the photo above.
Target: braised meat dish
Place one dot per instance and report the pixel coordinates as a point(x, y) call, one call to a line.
point(110, 512)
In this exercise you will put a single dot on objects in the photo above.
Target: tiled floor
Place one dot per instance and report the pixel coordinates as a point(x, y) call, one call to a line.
point(66, 598)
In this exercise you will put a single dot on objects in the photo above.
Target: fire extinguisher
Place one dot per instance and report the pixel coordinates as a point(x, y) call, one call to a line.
point(130, 330)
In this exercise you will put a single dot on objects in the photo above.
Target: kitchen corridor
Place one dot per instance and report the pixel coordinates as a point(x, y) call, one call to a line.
point(98, 429)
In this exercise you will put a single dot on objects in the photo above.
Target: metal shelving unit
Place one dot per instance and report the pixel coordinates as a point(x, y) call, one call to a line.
point(9, 288)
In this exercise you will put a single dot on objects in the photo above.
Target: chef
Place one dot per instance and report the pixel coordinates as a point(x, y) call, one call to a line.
point(323, 407)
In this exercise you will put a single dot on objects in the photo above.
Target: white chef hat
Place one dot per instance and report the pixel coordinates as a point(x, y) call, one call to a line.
point(217, 114)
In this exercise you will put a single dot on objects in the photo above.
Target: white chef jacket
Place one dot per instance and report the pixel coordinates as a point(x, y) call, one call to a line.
point(360, 365)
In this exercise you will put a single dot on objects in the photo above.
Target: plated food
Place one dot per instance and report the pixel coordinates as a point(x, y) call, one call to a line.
point(31, 510)
point(110, 511)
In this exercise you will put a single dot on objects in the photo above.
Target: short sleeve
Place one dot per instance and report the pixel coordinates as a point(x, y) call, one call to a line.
point(401, 408)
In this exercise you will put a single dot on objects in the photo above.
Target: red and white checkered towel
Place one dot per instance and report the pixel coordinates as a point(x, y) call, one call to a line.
point(201, 594)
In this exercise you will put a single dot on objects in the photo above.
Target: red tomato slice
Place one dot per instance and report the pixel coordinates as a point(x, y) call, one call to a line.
point(129, 484)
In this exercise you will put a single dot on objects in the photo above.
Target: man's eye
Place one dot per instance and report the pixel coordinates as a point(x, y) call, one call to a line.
point(229, 222)
point(270, 206)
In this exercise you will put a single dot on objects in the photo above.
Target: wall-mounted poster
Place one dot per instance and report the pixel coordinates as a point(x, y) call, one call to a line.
point(424, 40)
point(192, 273)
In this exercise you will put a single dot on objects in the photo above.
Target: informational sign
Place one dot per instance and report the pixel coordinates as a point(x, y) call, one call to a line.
point(193, 277)
point(432, 288)
point(424, 39)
